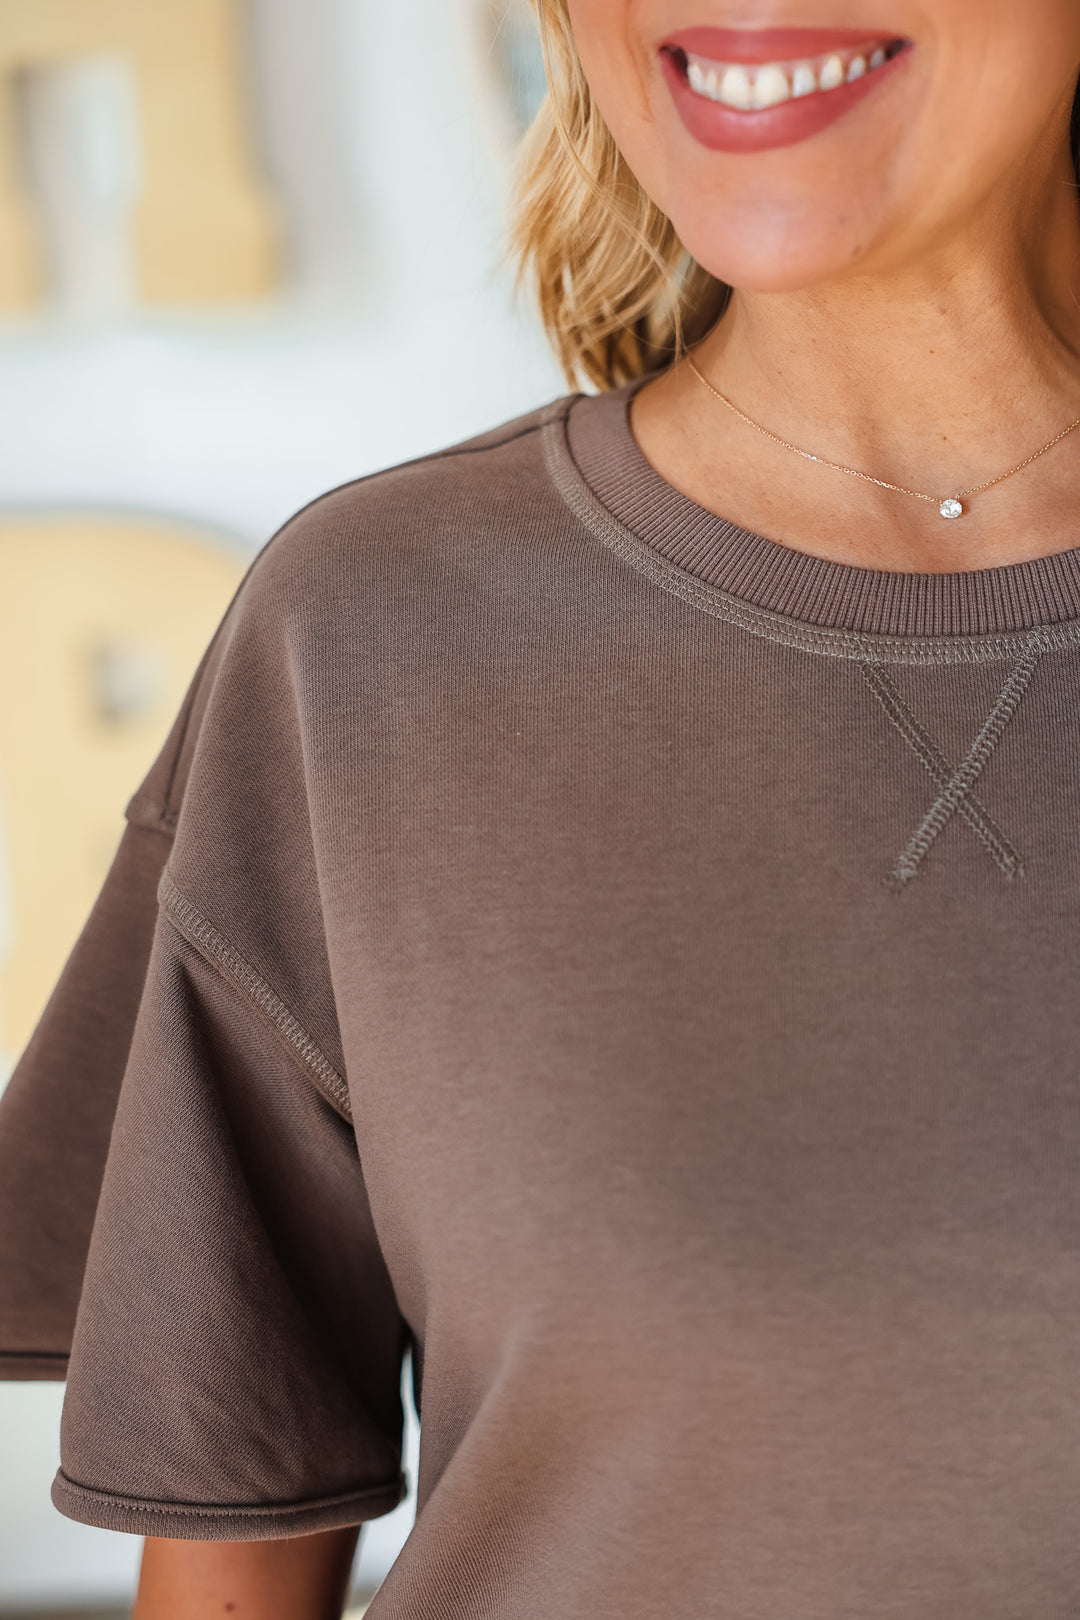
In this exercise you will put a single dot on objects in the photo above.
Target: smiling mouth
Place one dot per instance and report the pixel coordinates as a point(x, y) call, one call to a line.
point(754, 87)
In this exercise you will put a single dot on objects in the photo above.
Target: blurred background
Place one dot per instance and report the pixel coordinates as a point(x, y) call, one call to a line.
point(249, 250)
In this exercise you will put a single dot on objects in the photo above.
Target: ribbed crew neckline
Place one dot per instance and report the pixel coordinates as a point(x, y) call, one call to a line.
point(802, 588)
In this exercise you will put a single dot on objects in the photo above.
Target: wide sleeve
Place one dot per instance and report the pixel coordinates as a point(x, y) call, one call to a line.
point(236, 1359)
point(56, 1114)
point(184, 1220)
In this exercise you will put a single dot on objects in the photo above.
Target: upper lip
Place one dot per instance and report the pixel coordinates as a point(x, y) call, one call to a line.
point(750, 45)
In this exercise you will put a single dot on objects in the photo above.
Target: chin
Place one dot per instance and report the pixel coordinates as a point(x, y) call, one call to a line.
point(781, 256)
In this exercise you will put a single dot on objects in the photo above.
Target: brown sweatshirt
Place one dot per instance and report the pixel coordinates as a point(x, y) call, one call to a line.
point(636, 963)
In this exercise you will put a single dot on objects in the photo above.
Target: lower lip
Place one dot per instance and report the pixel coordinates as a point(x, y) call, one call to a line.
point(723, 129)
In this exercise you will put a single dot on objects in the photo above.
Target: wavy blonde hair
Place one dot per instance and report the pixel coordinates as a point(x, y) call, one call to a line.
point(619, 295)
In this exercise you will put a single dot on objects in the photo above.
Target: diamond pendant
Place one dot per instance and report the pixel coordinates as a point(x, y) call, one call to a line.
point(951, 508)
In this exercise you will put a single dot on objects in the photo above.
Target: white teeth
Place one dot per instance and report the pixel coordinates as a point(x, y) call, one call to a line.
point(772, 83)
point(735, 89)
point(771, 86)
point(803, 80)
point(832, 74)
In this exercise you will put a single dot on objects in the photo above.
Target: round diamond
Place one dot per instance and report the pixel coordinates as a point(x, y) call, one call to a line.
point(951, 508)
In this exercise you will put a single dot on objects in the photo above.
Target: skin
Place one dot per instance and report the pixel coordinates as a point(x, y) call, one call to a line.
point(906, 281)
point(301, 1578)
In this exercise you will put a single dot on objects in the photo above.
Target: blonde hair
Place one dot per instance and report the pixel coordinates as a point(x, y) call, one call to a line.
point(619, 295)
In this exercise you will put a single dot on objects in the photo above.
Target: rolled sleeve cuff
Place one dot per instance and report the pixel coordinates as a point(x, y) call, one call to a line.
point(33, 1366)
point(195, 1521)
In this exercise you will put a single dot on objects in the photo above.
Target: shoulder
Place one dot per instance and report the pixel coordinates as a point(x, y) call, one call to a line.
point(362, 565)
point(472, 494)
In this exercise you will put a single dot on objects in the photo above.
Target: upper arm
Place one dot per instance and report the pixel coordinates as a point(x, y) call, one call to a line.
point(304, 1578)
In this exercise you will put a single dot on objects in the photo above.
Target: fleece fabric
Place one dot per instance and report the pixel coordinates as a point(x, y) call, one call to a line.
point(636, 965)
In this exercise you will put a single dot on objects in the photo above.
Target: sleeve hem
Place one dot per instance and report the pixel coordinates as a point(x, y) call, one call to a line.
point(194, 1521)
point(33, 1366)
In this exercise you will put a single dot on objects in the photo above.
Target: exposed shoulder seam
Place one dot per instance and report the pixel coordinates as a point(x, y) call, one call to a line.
point(474, 449)
point(215, 949)
point(161, 814)
point(448, 453)
point(538, 420)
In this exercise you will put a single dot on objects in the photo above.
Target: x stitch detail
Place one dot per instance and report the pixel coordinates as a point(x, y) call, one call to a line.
point(973, 812)
point(956, 786)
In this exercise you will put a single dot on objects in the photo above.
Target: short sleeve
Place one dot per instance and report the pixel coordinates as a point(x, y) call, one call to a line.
point(184, 1223)
point(237, 1354)
point(56, 1114)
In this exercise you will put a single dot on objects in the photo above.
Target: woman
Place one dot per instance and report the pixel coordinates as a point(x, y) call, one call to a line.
point(608, 912)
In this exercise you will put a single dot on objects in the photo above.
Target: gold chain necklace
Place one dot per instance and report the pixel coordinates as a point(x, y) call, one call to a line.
point(951, 507)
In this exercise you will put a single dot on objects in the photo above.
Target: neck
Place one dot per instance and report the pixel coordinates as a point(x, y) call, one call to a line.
point(936, 374)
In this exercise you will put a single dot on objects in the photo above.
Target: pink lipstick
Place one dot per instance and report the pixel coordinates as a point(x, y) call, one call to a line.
point(752, 90)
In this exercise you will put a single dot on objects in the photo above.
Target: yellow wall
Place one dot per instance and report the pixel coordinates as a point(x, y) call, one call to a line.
point(101, 626)
point(205, 228)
